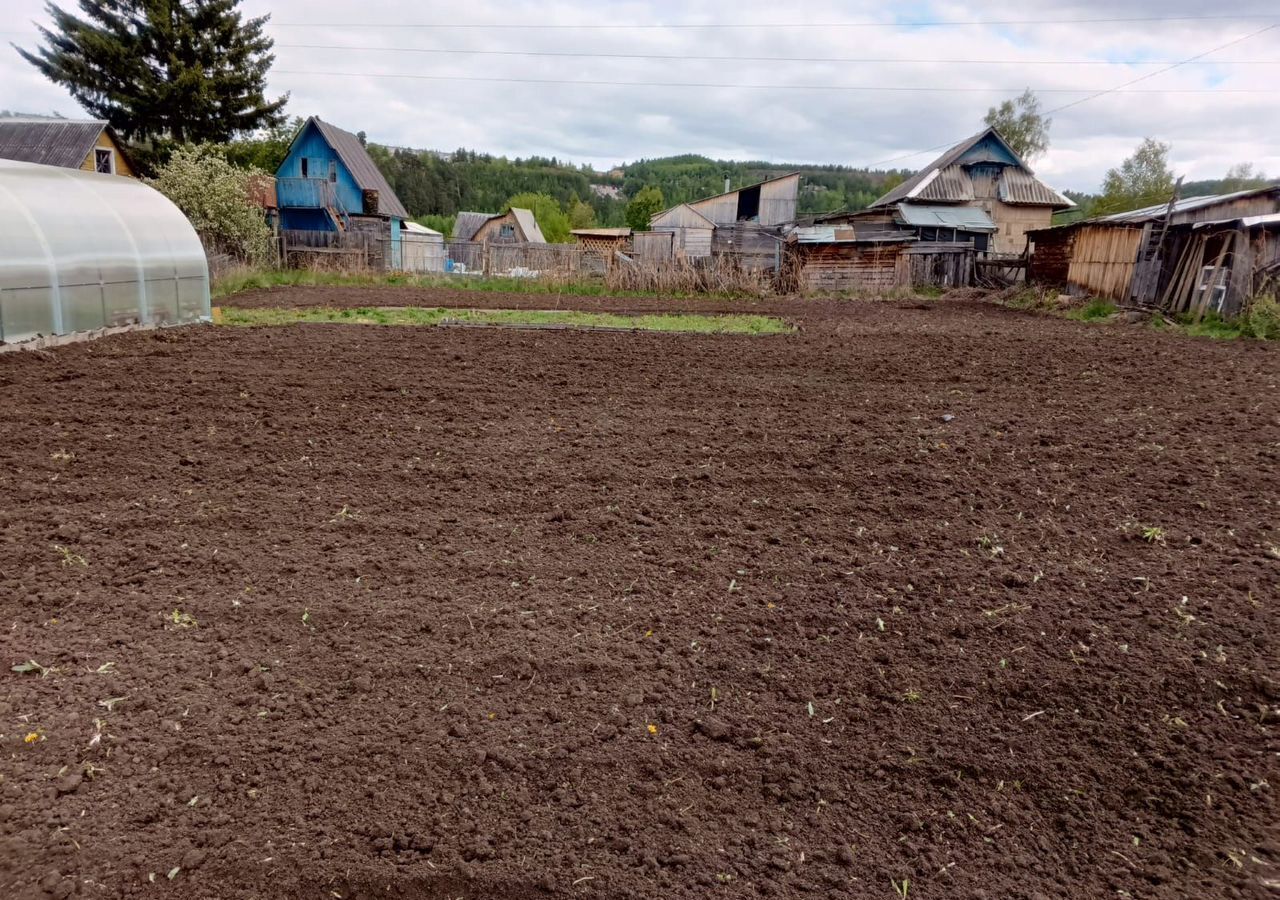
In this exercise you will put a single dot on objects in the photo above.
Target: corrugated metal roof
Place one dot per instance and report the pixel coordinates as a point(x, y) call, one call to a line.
point(1187, 204)
point(529, 225)
point(1021, 187)
point(836, 234)
point(961, 218)
point(467, 224)
point(949, 185)
point(50, 142)
point(356, 158)
point(938, 182)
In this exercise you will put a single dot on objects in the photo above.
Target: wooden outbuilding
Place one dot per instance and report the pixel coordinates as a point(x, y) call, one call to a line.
point(515, 226)
point(1151, 256)
point(836, 258)
point(747, 221)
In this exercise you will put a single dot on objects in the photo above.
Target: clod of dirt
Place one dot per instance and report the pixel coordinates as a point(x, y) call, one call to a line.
point(71, 783)
point(716, 729)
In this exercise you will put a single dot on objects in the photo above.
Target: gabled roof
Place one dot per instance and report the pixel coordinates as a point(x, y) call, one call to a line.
point(946, 181)
point(529, 225)
point(50, 141)
point(467, 224)
point(362, 168)
point(682, 207)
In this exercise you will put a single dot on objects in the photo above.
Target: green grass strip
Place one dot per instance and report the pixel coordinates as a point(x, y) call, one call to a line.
point(404, 315)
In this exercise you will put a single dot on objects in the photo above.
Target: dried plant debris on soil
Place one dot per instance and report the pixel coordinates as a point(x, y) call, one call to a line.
point(933, 602)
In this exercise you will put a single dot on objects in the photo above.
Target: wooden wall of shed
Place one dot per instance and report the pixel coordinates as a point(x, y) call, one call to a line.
point(1257, 205)
point(682, 216)
point(491, 231)
point(692, 242)
point(940, 265)
point(868, 268)
point(722, 209)
point(778, 200)
point(1103, 259)
point(1050, 260)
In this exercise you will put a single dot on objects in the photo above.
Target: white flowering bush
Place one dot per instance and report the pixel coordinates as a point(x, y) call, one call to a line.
point(215, 196)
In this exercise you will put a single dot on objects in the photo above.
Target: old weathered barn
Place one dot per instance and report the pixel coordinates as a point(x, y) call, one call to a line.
point(1000, 194)
point(747, 221)
point(1151, 256)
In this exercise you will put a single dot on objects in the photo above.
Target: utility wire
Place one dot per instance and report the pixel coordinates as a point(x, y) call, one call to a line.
point(722, 26)
point(1117, 89)
point(797, 59)
point(911, 89)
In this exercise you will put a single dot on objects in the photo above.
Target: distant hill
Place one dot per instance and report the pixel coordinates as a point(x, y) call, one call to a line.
point(442, 184)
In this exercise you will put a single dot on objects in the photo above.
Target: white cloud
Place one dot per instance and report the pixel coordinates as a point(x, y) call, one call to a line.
point(605, 124)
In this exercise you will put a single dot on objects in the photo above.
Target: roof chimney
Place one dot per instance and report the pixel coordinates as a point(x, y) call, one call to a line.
point(726, 184)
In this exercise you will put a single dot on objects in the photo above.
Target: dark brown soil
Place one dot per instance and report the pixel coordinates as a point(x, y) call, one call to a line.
point(428, 613)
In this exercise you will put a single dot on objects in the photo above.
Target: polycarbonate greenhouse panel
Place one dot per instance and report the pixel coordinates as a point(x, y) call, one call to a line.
point(81, 251)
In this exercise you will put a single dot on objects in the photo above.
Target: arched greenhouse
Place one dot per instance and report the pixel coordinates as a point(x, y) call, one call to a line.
point(81, 251)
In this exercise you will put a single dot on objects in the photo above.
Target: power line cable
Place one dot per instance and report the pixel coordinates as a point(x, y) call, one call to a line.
point(921, 89)
point(1117, 89)
point(723, 26)
point(797, 59)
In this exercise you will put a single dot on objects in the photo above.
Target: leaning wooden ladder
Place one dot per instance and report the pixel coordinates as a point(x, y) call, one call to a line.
point(1147, 279)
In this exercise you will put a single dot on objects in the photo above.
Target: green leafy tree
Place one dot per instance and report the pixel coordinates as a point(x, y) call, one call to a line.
point(1243, 177)
point(1144, 179)
point(1022, 124)
point(214, 195)
point(265, 149)
point(581, 215)
point(164, 71)
point(546, 210)
point(647, 203)
point(442, 224)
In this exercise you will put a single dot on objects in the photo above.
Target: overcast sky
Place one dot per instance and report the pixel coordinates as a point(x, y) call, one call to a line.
point(813, 121)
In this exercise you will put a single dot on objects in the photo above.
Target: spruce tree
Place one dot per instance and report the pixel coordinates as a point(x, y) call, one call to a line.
point(163, 70)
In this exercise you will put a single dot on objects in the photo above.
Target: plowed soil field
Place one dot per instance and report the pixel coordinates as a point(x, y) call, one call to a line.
point(926, 600)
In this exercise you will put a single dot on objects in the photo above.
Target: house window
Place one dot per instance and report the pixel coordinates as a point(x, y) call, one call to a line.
point(104, 161)
point(333, 171)
point(304, 167)
point(507, 231)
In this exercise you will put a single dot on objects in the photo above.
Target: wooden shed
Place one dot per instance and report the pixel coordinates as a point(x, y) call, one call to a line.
point(1139, 256)
point(604, 241)
point(835, 258)
point(515, 226)
point(690, 230)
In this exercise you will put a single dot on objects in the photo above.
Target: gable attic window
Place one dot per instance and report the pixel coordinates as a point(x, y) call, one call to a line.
point(333, 171)
point(507, 231)
point(304, 167)
point(104, 161)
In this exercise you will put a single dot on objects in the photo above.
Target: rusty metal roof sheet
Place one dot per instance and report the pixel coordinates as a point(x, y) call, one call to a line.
point(362, 168)
point(50, 142)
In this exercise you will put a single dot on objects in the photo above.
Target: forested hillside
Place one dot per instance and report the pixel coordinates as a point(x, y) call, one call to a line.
point(434, 184)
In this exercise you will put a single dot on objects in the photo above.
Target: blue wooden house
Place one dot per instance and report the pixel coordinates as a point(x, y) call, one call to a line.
point(328, 183)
